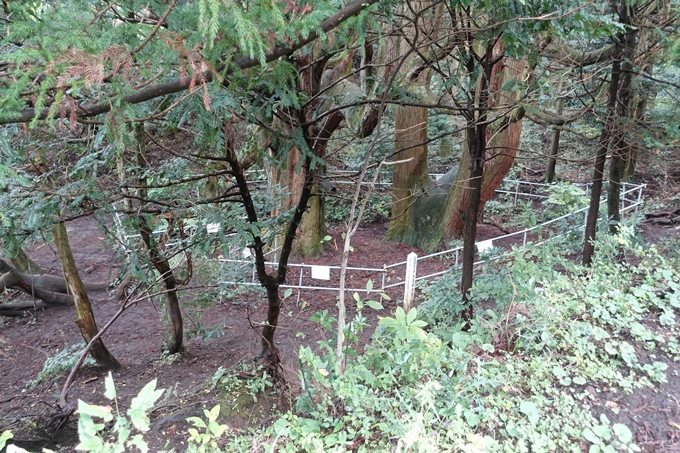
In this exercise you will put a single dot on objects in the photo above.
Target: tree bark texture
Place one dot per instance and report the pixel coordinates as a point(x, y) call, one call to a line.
point(86, 322)
point(621, 146)
point(555, 138)
point(309, 238)
point(410, 179)
point(600, 158)
point(501, 142)
point(174, 343)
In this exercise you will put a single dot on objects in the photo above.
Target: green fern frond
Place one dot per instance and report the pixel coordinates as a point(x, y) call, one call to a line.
point(208, 15)
point(49, 82)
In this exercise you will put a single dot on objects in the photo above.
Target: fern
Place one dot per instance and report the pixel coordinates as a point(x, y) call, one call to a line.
point(49, 82)
point(208, 20)
point(248, 36)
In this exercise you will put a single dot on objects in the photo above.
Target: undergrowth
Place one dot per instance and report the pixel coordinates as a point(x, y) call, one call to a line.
point(60, 364)
point(546, 329)
point(548, 335)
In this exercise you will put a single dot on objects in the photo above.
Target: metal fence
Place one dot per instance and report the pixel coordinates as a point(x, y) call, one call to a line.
point(318, 277)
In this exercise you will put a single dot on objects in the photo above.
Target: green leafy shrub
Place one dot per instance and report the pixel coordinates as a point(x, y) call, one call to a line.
point(136, 418)
point(563, 198)
point(545, 328)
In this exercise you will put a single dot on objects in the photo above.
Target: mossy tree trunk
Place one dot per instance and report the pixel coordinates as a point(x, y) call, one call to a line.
point(86, 322)
point(410, 177)
point(309, 241)
point(438, 215)
point(329, 77)
point(23, 263)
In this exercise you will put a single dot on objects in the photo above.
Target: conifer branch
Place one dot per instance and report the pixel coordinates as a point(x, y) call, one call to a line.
point(89, 109)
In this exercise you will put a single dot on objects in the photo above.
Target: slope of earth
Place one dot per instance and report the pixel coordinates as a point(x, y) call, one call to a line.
point(136, 339)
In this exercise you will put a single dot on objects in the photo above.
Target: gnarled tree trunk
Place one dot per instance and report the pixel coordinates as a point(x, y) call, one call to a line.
point(410, 178)
point(440, 213)
point(501, 143)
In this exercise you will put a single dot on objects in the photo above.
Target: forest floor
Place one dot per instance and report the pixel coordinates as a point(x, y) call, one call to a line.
point(136, 338)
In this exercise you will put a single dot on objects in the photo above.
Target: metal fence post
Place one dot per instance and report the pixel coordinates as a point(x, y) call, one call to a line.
point(384, 280)
point(410, 280)
point(302, 269)
point(639, 199)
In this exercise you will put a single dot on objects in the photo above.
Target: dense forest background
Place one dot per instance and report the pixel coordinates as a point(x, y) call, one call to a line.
point(169, 135)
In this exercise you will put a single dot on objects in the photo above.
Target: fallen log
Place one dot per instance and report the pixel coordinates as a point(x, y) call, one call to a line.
point(49, 290)
point(14, 280)
point(49, 282)
point(664, 218)
point(18, 308)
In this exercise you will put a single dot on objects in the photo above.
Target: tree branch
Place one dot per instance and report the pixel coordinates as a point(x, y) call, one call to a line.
point(183, 84)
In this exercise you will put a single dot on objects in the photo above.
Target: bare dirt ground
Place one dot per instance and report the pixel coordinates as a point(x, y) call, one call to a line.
point(136, 338)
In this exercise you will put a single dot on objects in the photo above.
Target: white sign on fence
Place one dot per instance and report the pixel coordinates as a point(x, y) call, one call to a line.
point(483, 246)
point(321, 272)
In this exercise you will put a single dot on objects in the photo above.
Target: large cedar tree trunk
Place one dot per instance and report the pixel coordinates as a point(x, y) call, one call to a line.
point(410, 178)
point(438, 215)
point(501, 143)
point(309, 238)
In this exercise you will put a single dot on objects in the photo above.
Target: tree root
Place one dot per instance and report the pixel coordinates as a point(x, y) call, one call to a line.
point(49, 289)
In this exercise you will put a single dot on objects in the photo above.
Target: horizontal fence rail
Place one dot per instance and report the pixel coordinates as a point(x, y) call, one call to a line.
point(631, 199)
point(308, 277)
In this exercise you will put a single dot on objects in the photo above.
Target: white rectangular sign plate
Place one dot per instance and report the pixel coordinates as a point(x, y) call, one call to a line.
point(321, 272)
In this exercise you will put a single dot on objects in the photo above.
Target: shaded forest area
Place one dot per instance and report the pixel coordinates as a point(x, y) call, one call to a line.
point(142, 141)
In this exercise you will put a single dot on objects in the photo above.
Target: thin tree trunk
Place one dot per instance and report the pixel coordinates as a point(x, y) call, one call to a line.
point(600, 158)
point(476, 136)
point(555, 137)
point(621, 148)
point(477, 148)
point(86, 322)
point(174, 344)
point(161, 264)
